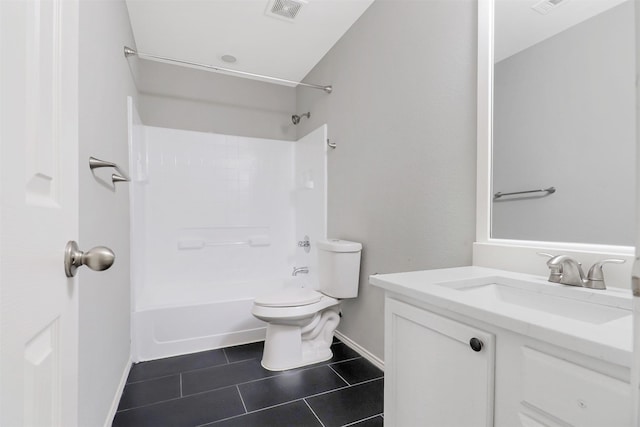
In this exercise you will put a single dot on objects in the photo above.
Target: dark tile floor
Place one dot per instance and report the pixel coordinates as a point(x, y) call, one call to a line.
point(228, 387)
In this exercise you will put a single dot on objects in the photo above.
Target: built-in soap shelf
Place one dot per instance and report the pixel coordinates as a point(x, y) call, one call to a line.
point(306, 181)
point(201, 243)
point(200, 238)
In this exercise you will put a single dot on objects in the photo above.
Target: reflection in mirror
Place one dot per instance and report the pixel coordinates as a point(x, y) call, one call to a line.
point(564, 117)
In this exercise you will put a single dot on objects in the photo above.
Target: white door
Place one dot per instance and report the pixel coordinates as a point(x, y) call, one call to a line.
point(38, 212)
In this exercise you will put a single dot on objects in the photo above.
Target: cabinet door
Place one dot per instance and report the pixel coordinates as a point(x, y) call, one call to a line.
point(432, 375)
point(571, 393)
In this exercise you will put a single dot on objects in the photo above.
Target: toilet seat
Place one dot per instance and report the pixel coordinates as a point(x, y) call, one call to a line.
point(308, 303)
point(290, 297)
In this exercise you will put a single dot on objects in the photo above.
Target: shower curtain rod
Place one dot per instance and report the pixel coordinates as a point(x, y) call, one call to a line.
point(129, 52)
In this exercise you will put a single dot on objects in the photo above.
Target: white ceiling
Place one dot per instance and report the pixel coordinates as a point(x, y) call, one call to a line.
point(518, 27)
point(204, 30)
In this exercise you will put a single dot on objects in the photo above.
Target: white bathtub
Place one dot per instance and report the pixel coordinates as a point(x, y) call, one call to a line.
point(169, 331)
point(186, 326)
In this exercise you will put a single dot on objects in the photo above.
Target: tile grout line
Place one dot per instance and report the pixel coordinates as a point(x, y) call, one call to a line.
point(282, 403)
point(277, 374)
point(291, 401)
point(252, 381)
point(302, 368)
point(191, 370)
point(155, 378)
point(313, 412)
point(334, 371)
point(249, 412)
point(340, 388)
point(149, 404)
point(337, 362)
point(364, 419)
point(208, 367)
point(241, 399)
point(368, 381)
point(175, 398)
point(290, 372)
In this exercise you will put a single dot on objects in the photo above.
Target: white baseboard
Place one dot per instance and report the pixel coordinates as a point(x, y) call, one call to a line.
point(116, 399)
point(379, 363)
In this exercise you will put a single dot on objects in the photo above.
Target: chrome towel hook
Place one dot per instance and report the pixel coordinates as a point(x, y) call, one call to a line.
point(95, 163)
point(118, 178)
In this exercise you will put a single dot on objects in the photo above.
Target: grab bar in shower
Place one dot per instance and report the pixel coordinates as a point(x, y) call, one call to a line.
point(253, 241)
point(549, 190)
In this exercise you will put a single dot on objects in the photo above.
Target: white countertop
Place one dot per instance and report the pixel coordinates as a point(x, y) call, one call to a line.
point(610, 341)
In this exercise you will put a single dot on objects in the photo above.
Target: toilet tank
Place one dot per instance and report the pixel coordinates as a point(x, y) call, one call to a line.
point(339, 267)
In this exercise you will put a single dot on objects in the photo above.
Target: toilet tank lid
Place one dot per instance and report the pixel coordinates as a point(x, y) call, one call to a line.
point(337, 245)
point(289, 297)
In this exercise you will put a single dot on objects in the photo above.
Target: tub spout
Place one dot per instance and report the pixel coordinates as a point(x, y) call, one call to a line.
point(298, 270)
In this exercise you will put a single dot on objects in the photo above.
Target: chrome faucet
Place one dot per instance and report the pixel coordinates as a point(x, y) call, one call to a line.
point(298, 270)
point(568, 271)
point(565, 270)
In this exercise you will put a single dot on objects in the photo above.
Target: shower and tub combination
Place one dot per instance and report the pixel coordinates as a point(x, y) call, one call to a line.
point(217, 220)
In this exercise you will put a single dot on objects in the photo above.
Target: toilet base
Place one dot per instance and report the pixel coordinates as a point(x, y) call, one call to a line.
point(290, 346)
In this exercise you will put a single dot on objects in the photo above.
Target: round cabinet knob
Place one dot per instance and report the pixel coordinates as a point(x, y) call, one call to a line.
point(476, 344)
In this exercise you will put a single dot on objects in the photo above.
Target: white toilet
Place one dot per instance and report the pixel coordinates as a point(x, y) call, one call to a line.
point(301, 321)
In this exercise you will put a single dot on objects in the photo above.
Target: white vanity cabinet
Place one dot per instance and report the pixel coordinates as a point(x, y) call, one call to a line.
point(544, 385)
point(432, 375)
point(552, 355)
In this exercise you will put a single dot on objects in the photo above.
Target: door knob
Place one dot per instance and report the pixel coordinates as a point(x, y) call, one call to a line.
point(98, 258)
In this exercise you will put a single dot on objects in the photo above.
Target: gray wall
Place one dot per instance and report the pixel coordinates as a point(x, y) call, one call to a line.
point(403, 113)
point(564, 116)
point(104, 316)
point(191, 99)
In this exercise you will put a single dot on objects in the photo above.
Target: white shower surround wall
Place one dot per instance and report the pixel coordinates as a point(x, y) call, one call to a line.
point(215, 222)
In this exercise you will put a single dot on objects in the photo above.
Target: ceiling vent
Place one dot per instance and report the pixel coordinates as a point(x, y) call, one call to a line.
point(546, 6)
point(284, 9)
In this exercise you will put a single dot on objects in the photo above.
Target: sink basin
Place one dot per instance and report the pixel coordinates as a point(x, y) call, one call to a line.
point(579, 304)
point(596, 323)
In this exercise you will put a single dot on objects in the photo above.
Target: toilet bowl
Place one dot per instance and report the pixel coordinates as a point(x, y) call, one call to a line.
point(300, 326)
point(301, 321)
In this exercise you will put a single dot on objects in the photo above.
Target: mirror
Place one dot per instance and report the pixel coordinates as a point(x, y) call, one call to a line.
point(564, 120)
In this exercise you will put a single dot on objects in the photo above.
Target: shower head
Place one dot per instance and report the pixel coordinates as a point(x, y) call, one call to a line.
point(296, 118)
